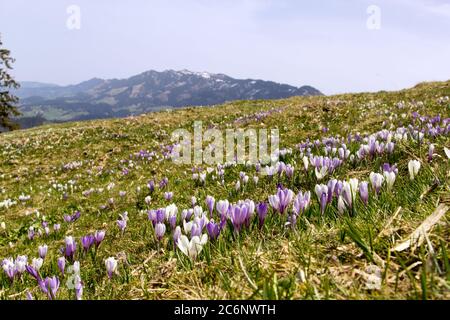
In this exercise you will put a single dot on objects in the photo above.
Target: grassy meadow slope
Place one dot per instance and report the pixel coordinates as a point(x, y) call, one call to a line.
point(103, 168)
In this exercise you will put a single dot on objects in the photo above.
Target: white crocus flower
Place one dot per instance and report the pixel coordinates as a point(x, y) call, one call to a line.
point(354, 183)
point(36, 263)
point(194, 247)
point(322, 173)
point(413, 167)
point(111, 266)
point(390, 179)
point(171, 210)
point(187, 226)
point(341, 205)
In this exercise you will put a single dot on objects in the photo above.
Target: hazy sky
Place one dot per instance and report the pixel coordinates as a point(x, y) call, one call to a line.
point(326, 44)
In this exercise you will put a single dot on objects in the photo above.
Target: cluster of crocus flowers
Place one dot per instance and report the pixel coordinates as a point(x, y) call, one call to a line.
point(50, 286)
point(13, 268)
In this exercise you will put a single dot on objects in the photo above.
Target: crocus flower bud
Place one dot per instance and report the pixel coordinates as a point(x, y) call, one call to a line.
point(33, 272)
point(160, 230)
point(261, 210)
point(210, 204)
point(322, 194)
point(36, 263)
point(176, 235)
point(376, 180)
point(111, 266)
point(87, 242)
point(43, 251)
point(61, 264)
point(213, 229)
point(98, 237)
point(390, 179)
point(413, 167)
point(364, 192)
point(71, 247)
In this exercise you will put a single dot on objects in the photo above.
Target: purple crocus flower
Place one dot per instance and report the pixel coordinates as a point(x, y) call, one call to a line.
point(33, 272)
point(152, 216)
point(331, 189)
point(43, 251)
point(196, 230)
point(122, 224)
point(98, 237)
point(222, 206)
point(71, 247)
point(87, 242)
point(151, 185)
point(9, 268)
point(261, 209)
point(61, 264)
point(390, 147)
point(301, 202)
point(160, 215)
point(251, 211)
point(163, 183)
point(289, 171)
point(364, 192)
point(238, 216)
point(172, 221)
point(376, 180)
point(168, 196)
point(186, 214)
point(176, 235)
point(322, 194)
point(160, 230)
point(281, 200)
point(213, 229)
point(50, 286)
point(210, 204)
point(389, 168)
point(31, 233)
point(76, 216)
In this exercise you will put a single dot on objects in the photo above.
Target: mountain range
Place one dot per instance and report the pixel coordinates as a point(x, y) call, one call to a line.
point(145, 92)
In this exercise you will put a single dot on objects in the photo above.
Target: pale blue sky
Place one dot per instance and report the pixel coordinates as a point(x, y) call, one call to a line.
point(322, 43)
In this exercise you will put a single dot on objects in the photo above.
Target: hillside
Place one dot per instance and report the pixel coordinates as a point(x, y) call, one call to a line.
point(352, 152)
point(145, 92)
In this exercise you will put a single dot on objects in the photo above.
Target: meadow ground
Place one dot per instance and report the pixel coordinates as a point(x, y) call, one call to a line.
point(62, 185)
